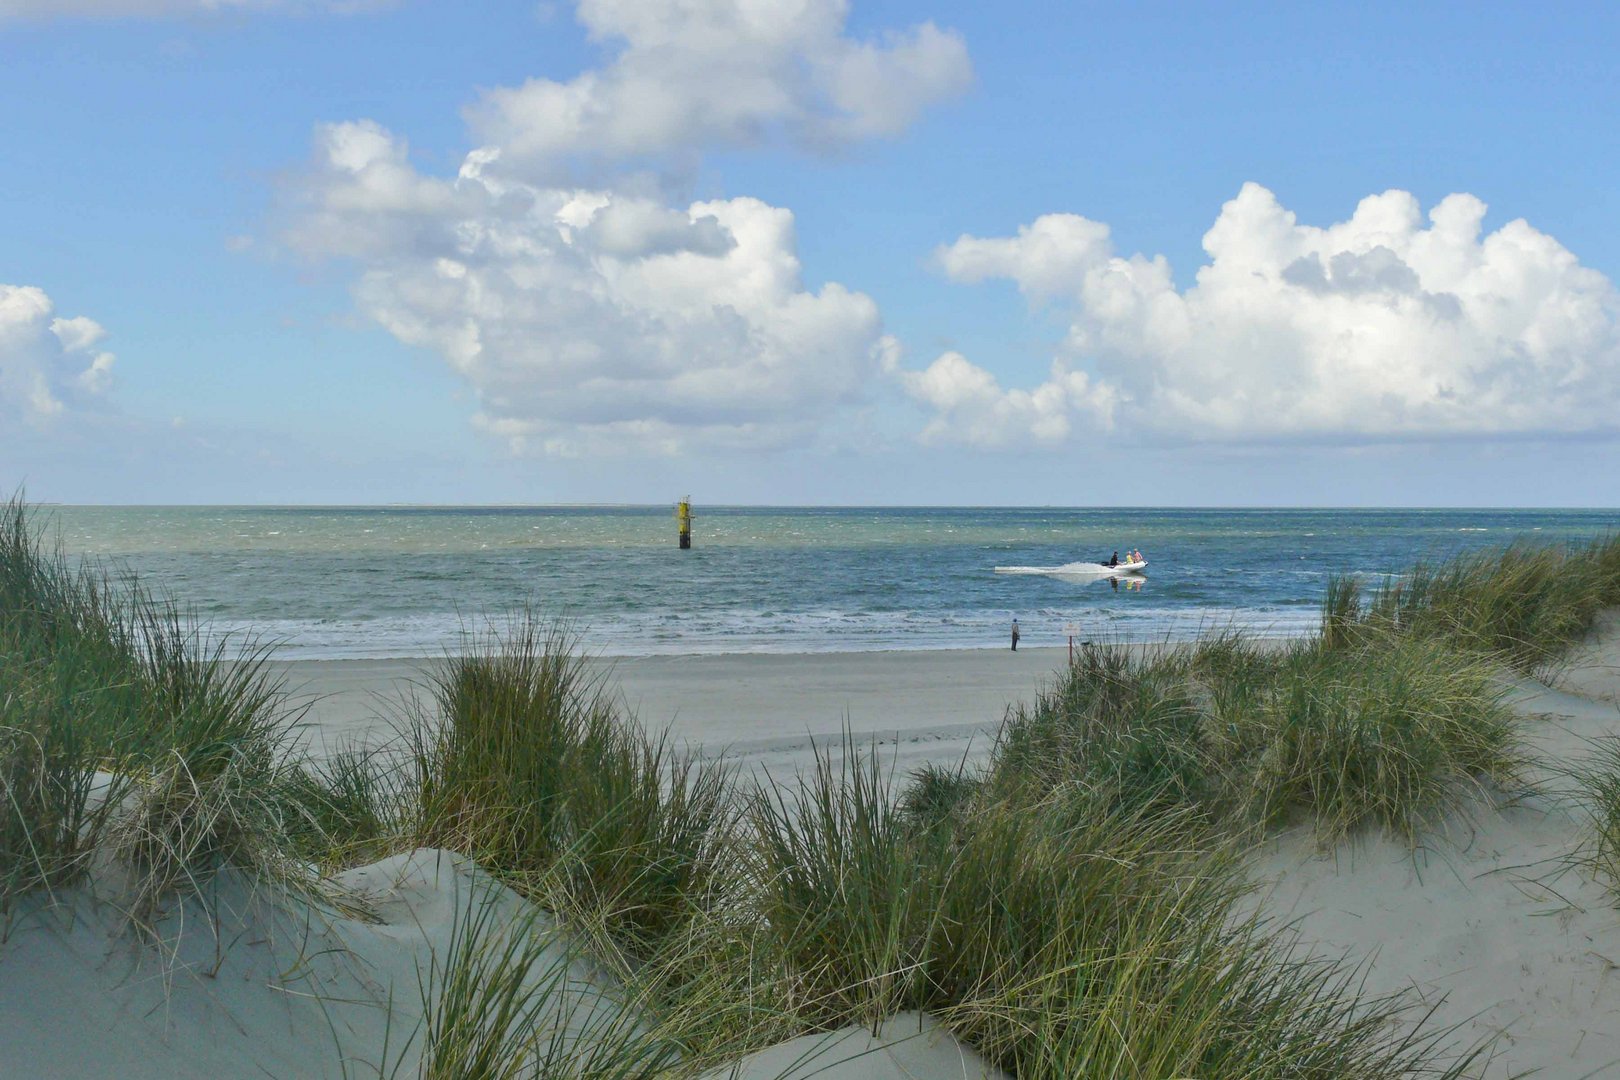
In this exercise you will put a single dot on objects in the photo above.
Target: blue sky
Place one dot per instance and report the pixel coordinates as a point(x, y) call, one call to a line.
point(810, 253)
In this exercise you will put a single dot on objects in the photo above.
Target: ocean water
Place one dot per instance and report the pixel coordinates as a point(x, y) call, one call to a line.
point(387, 582)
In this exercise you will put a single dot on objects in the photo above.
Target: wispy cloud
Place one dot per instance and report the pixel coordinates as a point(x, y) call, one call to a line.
point(703, 73)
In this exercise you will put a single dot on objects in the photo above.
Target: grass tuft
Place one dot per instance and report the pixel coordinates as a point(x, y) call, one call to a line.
point(535, 770)
point(127, 735)
point(504, 1001)
point(1597, 784)
point(1525, 604)
point(843, 888)
point(1386, 732)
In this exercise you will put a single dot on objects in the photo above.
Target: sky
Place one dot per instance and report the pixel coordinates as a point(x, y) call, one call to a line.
point(809, 252)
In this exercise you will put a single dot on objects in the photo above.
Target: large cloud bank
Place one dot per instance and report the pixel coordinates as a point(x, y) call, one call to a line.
point(605, 318)
point(49, 366)
point(1381, 327)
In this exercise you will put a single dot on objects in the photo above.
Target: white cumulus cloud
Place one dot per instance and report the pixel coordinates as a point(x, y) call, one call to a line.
point(610, 316)
point(972, 408)
point(591, 319)
point(1385, 326)
point(694, 73)
point(49, 365)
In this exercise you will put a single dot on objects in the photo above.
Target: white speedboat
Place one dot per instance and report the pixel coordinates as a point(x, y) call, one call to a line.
point(1078, 569)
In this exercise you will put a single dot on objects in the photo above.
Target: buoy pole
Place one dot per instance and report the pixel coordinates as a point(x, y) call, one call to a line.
point(683, 520)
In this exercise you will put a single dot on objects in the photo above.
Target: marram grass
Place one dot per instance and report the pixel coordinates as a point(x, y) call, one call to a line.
point(1525, 604)
point(504, 1002)
point(129, 737)
point(527, 763)
point(1059, 933)
point(1597, 790)
point(1387, 732)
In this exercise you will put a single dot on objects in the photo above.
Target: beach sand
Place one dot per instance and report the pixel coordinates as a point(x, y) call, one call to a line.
point(1484, 922)
point(765, 709)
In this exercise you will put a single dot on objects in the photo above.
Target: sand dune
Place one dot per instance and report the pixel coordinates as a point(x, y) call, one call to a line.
point(1484, 922)
point(910, 1046)
point(263, 985)
point(279, 987)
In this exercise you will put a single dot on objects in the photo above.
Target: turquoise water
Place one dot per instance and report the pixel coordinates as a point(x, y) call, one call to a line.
point(380, 582)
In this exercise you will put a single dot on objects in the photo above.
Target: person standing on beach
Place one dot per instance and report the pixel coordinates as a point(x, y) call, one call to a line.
point(1015, 635)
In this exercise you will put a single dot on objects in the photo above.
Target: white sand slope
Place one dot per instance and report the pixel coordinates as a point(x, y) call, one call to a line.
point(272, 988)
point(1593, 669)
point(1485, 922)
point(276, 988)
point(910, 1046)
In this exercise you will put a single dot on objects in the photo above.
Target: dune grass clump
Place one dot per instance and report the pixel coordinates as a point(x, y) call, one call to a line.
point(354, 807)
point(845, 888)
point(1387, 732)
point(1079, 937)
point(52, 802)
point(213, 780)
point(1341, 611)
point(1597, 788)
point(935, 795)
point(1059, 930)
point(504, 1001)
point(126, 735)
point(533, 769)
point(1133, 731)
point(67, 695)
point(1526, 603)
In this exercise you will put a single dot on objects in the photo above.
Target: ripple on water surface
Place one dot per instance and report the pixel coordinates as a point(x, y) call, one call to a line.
point(407, 581)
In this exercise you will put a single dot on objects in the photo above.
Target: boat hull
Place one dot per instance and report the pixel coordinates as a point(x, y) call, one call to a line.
point(1078, 569)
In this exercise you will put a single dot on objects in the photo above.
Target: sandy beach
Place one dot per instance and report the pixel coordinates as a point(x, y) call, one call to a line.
point(935, 706)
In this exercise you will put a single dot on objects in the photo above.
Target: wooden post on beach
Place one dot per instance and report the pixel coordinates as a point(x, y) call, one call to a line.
point(1071, 629)
point(683, 520)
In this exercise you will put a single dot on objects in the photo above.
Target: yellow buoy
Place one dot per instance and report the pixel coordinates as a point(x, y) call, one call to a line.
point(683, 519)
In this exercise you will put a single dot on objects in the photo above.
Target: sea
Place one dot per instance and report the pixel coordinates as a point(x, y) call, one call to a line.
point(349, 582)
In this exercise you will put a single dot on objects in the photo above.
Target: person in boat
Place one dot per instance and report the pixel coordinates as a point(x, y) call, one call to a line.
point(1115, 560)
